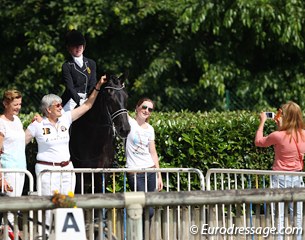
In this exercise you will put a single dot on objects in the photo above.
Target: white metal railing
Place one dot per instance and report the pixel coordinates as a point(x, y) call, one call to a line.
point(29, 186)
point(160, 200)
point(116, 173)
point(174, 179)
point(221, 179)
point(226, 179)
point(27, 173)
point(233, 198)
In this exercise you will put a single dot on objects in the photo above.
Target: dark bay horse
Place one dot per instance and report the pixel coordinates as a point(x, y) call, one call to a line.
point(92, 140)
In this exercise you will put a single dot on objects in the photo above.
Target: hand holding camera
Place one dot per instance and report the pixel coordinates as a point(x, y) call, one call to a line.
point(270, 115)
point(277, 117)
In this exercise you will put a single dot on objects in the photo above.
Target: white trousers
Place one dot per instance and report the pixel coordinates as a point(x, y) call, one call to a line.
point(71, 104)
point(16, 181)
point(62, 182)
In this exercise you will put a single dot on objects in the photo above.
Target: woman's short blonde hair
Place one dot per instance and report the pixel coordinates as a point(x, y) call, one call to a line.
point(10, 95)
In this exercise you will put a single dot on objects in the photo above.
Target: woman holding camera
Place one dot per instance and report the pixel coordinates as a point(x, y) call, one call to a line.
point(289, 148)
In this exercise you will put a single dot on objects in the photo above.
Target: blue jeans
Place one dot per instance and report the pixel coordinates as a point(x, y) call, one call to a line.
point(282, 181)
point(137, 182)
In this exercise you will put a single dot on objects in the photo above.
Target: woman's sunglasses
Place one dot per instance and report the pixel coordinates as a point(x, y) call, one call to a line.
point(57, 105)
point(145, 107)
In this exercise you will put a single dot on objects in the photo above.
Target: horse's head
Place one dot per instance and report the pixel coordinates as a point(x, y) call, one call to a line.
point(116, 101)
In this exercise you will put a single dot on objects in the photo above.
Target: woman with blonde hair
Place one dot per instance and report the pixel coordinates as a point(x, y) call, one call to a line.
point(12, 146)
point(289, 148)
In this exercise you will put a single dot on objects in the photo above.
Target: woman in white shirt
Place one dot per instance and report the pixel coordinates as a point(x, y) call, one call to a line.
point(141, 150)
point(12, 146)
point(52, 136)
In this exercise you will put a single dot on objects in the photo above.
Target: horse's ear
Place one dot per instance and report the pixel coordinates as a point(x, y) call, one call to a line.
point(113, 78)
point(108, 76)
point(124, 76)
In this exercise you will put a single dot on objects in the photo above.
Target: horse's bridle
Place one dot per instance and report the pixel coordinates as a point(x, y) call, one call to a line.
point(116, 113)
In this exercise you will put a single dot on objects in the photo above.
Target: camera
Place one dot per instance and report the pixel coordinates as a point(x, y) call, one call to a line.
point(270, 115)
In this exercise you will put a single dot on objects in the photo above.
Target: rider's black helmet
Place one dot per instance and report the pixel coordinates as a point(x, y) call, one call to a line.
point(75, 38)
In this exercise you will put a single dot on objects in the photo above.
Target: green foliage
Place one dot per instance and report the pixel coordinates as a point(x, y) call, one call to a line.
point(195, 48)
point(199, 140)
point(207, 140)
point(182, 54)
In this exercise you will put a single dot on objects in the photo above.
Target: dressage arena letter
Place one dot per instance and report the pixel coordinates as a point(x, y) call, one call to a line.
point(67, 224)
point(73, 225)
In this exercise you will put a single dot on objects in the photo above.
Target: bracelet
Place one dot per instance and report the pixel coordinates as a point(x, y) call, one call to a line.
point(96, 89)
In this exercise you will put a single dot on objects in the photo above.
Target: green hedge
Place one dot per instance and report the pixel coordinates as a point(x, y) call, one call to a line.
point(200, 140)
point(211, 140)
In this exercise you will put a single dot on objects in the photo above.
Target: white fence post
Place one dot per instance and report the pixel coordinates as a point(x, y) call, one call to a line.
point(134, 203)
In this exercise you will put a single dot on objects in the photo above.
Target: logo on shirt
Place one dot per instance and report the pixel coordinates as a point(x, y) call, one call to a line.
point(63, 128)
point(46, 131)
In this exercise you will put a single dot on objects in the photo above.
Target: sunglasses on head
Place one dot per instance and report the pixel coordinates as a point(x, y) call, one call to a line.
point(57, 105)
point(145, 107)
